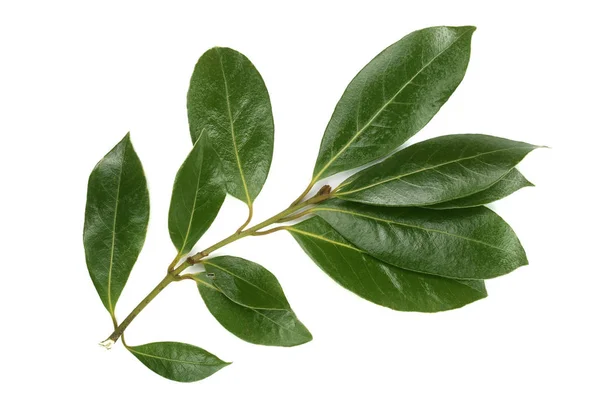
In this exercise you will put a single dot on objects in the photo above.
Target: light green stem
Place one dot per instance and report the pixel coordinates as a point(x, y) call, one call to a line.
point(174, 273)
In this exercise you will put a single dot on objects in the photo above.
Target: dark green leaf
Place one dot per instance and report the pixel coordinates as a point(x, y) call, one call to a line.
point(198, 194)
point(246, 283)
point(509, 184)
point(228, 101)
point(258, 326)
point(393, 97)
point(437, 170)
point(116, 219)
point(179, 362)
point(464, 243)
point(377, 281)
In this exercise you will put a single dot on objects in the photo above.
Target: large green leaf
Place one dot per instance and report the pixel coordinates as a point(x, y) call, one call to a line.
point(179, 362)
point(393, 97)
point(377, 281)
point(258, 326)
point(228, 101)
point(246, 283)
point(509, 184)
point(116, 219)
point(436, 170)
point(466, 243)
point(198, 194)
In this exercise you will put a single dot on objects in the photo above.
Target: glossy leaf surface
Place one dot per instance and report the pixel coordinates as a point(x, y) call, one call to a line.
point(436, 170)
point(509, 184)
point(377, 281)
point(258, 326)
point(116, 219)
point(197, 196)
point(246, 282)
point(467, 243)
point(179, 362)
point(228, 101)
point(393, 97)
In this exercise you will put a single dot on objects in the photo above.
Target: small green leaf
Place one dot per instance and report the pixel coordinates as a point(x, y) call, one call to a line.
point(377, 281)
point(197, 196)
point(228, 100)
point(179, 362)
point(437, 170)
point(116, 219)
point(509, 184)
point(464, 243)
point(246, 283)
point(258, 326)
point(393, 97)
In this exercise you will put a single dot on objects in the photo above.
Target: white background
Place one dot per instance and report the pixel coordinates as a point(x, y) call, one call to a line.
point(75, 77)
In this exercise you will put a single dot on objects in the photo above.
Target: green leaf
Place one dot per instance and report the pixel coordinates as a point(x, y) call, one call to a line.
point(437, 170)
point(258, 326)
point(377, 281)
point(179, 362)
point(116, 219)
point(228, 101)
point(393, 97)
point(465, 243)
point(509, 184)
point(246, 283)
point(198, 194)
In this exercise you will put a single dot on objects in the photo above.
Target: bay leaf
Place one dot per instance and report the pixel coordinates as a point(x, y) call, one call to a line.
point(228, 101)
point(463, 243)
point(254, 325)
point(509, 184)
point(246, 283)
point(393, 97)
point(437, 170)
point(197, 196)
point(179, 362)
point(116, 220)
point(377, 281)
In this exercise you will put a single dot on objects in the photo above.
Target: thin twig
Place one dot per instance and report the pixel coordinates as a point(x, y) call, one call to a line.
point(175, 273)
point(296, 216)
point(268, 231)
point(174, 263)
point(306, 191)
point(245, 224)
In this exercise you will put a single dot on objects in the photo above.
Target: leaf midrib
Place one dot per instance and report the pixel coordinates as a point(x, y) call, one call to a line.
point(244, 280)
point(193, 210)
point(258, 311)
point(378, 260)
point(114, 233)
point(323, 238)
point(235, 150)
point(171, 359)
point(431, 168)
point(391, 222)
point(387, 103)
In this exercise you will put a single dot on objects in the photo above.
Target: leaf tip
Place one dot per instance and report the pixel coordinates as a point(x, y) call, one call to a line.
point(307, 335)
point(469, 28)
point(464, 29)
point(125, 141)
